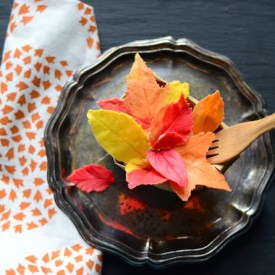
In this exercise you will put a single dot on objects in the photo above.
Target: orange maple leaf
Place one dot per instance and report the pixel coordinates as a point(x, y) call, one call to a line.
point(2, 194)
point(12, 26)
point(5, 120)
point(7, 109)
point(6, 226)
point(20, 216)
point(57, 74)
point(27, 73)
point(38, 181)
point(31, 107)
point(27, 193)
point(36, 81)
point(199, 170)
point(36, 212)
point(38, 196)
point(30, 135)
point(8, 65)
point(18, 182)
point(19, 114)
point(4, 87)
point(39, 124)
point(6, 56)
point(92, 29)
point(14, 129)
point(46, 70)
point(88, 10)
point(18, 68)
point(35, 117)
point(26, 124)
point(11, 96)
point(83, 21)
point(69, 73)
point(34, 94)
point(80, 5)
point(39, 52)
point(22, 85)
point(50, 59)
point(41, 8)
point(26, 19)
point(27, 48)
point(27, 59)
point(51, 212)
point(90, 42)
point(10, 168)
point(10, 153)
point(45, 100)
point(64, 63)
point(143, 98)
point(22, 160)
point(21, 100)
point(17, 53)
point(24, 9)
point(32, 225)
point(46, 84)
point(12, 195)
point(24, 205)
point(33, 165)
point(17, 138)
point(9, 76)
point(50, 110)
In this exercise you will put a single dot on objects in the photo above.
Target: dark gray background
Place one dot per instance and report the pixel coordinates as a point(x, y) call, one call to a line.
point(245, 32)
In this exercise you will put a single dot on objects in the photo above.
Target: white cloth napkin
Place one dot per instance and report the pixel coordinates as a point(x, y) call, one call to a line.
point(46, 41)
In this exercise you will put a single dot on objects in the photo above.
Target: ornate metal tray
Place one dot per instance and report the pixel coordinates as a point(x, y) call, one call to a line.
point(148, 225)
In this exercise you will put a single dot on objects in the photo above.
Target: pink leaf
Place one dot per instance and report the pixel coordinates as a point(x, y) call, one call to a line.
point(172, 125)
point(117, 105)
point(113, 104)
point(143, 177)
point(92, 177)
point(169, 164)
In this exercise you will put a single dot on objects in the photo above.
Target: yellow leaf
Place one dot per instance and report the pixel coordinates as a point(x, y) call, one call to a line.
point(137, 164)
point(118, 134)
point(175, 90)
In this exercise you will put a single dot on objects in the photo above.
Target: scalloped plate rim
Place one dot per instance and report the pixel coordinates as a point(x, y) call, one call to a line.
point(60, 191)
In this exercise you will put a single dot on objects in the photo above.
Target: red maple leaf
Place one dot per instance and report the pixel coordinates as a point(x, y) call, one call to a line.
point(171, 126)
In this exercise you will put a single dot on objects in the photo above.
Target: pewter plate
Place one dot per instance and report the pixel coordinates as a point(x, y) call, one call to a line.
point(148, 225)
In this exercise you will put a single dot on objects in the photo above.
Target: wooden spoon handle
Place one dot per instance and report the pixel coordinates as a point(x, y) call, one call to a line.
point(265, 124)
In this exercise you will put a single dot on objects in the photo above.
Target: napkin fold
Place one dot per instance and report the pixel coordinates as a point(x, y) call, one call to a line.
point(46, 41)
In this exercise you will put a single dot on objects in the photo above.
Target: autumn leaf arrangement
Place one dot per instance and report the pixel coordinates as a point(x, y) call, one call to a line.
point(156, 135)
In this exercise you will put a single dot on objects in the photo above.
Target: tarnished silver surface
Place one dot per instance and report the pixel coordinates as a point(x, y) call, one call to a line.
point(165, 230)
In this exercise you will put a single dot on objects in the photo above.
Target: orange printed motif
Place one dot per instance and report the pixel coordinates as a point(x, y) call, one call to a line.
point(87, 21)
point(24, 113)
point(23, 14)
point(68, 260)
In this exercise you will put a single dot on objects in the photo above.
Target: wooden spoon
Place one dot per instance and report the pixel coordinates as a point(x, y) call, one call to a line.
point(231, 141)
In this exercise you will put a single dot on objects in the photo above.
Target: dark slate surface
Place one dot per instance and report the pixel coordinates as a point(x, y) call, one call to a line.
point(245, 32)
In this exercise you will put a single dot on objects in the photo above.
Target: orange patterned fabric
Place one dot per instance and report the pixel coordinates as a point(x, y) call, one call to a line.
point(70, 260)
point(46, 41)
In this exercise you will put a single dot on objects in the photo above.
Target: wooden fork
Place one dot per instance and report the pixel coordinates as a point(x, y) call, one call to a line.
point(231, 141)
